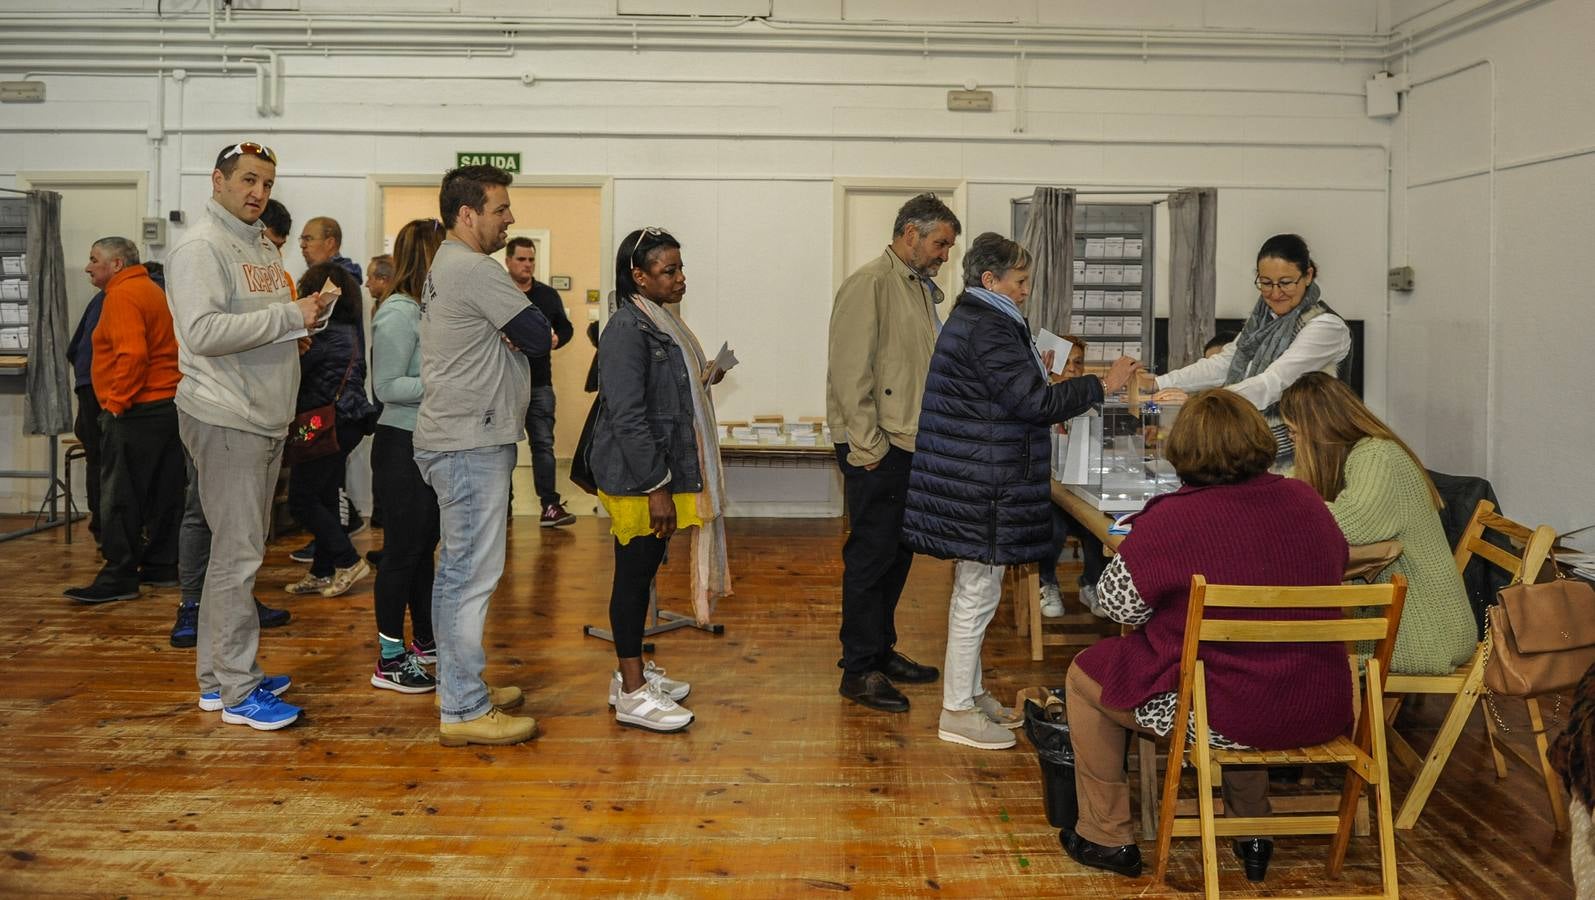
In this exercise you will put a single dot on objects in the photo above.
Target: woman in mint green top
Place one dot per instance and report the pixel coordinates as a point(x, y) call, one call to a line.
point(1378, 491)
point(410, 507)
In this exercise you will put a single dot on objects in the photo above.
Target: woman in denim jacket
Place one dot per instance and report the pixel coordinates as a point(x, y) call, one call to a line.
point(657, 463)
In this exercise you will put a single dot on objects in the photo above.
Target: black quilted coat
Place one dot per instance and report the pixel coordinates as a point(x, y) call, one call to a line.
point(980, 484)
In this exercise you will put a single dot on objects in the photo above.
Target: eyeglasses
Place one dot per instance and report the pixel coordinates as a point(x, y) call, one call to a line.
point(253, 149)
point(1284, 284)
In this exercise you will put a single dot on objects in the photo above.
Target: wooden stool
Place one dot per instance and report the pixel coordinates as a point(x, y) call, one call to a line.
point(74, 450)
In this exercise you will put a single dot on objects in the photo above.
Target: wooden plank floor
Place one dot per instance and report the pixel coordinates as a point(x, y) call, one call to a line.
point(112, 782)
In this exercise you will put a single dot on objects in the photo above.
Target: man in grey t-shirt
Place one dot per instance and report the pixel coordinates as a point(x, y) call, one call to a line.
point(476, 328)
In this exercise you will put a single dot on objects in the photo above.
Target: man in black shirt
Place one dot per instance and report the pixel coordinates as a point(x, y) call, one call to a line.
point(520, 257)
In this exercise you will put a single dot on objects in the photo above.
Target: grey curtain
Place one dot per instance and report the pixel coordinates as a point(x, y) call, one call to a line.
point(48, 408)
point(1193, 242)
point(1049, 235)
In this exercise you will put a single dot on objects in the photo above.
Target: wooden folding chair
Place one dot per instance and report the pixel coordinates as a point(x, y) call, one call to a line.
point(1362, 755)
point(1467, 682)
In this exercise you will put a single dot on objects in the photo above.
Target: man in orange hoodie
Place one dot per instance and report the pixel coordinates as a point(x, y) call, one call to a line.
point(135, 378)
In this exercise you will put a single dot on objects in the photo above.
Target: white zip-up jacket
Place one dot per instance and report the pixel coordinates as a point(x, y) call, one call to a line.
point(230, 300)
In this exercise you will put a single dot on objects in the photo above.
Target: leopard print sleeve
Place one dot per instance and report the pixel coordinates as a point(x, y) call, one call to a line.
point(1118, 597)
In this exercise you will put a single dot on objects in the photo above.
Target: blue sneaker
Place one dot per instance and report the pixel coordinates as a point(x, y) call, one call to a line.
point(185, 633)
point(210, 701)
point(262, 711)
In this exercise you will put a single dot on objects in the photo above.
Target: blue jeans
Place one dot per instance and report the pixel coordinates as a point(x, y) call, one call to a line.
point(540, 438)
point(473, 488)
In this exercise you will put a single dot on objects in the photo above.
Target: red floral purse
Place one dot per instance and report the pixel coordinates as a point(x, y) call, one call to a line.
point(314, 432)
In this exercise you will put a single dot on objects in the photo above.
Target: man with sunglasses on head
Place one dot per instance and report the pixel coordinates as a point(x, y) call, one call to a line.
point(477, 330)
point(236, 326)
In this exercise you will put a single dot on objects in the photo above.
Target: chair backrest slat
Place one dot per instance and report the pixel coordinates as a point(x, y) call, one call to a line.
point(1294, 632)
point(1536, 543)
point(1234, 596)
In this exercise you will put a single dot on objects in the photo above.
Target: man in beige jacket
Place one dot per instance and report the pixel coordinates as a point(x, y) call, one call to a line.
point(883, 330)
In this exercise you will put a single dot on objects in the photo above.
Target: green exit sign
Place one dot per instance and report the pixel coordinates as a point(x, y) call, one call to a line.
point(509, 162)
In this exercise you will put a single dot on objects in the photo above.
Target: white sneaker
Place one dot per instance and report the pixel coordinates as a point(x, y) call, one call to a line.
point(310, 584)
point(1051, 601)
point(649, 707)
point(1088, 596)
point(675, 690)
point(343, 579)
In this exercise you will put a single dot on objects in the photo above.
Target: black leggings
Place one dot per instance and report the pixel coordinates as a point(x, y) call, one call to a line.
point(313, 500)
point(636, 564)
point(410, 535)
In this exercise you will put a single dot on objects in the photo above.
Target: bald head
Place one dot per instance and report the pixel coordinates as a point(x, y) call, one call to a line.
point(320, 240)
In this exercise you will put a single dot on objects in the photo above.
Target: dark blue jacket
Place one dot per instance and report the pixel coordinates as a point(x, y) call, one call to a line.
point(643, 430)
point(322, 367)
point(547, 301)
point(80, 352)
point(980, 486)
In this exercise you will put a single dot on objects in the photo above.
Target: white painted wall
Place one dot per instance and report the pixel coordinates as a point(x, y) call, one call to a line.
point(1494, 157)
point(742, 169)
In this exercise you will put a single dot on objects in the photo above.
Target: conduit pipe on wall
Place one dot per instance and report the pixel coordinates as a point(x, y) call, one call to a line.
point(152, 60)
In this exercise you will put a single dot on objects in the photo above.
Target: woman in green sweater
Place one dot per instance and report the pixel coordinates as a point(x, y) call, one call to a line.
point(1378, 491)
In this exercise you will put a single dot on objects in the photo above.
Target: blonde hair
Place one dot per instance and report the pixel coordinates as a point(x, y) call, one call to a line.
point(1329, 420)
point(413, 250)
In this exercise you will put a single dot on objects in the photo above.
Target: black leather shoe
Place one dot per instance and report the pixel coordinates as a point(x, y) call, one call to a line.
point(1125, 860)
point(1255, 853)
point(901, 668)
point(271, 618)
point(874, 690)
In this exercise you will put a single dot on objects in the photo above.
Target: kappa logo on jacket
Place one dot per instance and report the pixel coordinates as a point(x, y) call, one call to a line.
point(264, 279)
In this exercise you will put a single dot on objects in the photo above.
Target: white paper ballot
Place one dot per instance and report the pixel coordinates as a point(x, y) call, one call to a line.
point(329, 293)
point(1046, 340)
point(723, 362)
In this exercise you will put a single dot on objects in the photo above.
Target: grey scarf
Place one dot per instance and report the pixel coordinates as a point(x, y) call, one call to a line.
point(1264, 338)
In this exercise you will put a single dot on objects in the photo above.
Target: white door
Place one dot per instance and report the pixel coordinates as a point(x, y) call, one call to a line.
point(93, 205)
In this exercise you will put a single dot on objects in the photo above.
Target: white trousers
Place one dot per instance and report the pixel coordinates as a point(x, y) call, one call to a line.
point(977, 589)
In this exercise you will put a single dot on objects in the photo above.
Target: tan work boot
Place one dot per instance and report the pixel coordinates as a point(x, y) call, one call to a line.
point(497, 727)
point(507, 697)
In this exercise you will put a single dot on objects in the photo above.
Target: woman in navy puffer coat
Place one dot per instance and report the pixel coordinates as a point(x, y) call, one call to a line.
point(979, 490)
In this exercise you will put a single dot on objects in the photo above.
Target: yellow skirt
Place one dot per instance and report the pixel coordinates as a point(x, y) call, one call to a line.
point(628, 515)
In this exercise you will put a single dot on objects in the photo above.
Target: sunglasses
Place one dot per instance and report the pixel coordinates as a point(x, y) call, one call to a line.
point(650, 231)
point(251, 148)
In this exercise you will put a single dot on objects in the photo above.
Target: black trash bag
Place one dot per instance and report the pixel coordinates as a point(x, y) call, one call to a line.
point(1049, 734)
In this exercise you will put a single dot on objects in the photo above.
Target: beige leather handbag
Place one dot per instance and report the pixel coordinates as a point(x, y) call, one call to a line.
point(1540, 637)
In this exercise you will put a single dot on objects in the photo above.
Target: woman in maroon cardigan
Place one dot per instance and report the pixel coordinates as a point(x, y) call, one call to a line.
point(1233, 523)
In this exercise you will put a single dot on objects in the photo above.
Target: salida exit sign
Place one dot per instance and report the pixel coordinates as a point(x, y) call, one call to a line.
point(509, 162)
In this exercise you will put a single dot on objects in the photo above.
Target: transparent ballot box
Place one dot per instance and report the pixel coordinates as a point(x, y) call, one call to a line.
point(1113, 455)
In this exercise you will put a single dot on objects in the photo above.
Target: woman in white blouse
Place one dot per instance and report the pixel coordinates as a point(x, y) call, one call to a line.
point(1291, 331)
